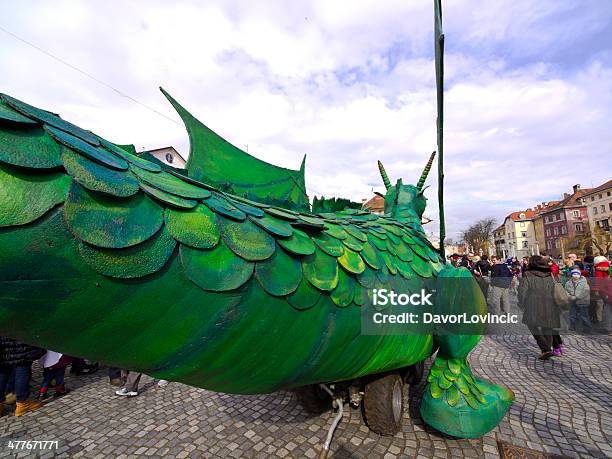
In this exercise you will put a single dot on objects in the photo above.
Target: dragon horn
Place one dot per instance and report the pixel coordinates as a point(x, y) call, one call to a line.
point(426, 171)
point(384, 176)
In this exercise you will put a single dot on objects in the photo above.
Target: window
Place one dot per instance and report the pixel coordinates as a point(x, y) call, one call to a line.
point(595, 212)
point(549, 244)
point(562, 217)
point(563, 230)
point(556, 230)
point(600, 196)
point(556, 243)
point(576, 213)
point(525, 244)
point(578, 227)
point(169, 157)
point(521, 215)
point(523, 233)
point(608, 194)
point(522, 224)
point(592, 198)
point(602, 208)
point(610, 206)
point(545, 219)
point(548, 232)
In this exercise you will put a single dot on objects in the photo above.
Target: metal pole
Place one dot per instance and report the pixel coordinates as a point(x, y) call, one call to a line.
point(439, 63)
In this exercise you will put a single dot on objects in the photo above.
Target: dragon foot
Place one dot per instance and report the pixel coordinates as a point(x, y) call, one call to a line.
point(459, 404)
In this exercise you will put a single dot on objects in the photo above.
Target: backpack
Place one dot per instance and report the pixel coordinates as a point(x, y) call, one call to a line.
point(560, 296)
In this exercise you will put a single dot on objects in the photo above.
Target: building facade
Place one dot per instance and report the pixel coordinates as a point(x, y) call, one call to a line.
point(599, 206)
point(520, 239)
point(565, 224)
point(499, 240)
point(538, 225)
point(168, 156)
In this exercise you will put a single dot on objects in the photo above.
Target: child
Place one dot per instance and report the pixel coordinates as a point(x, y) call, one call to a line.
point(579, 292)
point(54, 365)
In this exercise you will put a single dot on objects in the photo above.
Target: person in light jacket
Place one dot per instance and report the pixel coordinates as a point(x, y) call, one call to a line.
point(578, 290)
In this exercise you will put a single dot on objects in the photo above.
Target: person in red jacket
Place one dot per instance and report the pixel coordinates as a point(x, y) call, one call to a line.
point(554, 269)
point(601, 267)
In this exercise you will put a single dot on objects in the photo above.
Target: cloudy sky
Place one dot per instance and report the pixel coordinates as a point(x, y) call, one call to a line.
point(528, 87)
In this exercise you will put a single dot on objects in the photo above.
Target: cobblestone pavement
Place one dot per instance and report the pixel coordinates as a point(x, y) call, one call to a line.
point(563, 407)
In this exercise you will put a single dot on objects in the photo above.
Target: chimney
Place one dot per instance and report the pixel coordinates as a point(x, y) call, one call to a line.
point(565, 195)
point(576, 187)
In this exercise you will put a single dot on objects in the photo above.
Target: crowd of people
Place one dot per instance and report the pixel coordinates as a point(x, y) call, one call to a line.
point(575, 295)
point(16, 360)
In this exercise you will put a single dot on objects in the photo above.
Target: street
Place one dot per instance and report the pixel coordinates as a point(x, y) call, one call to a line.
point(562, 407)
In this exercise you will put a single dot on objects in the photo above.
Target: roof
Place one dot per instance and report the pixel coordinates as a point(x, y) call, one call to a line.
point(529, 214)
point(376, 202)
point(164, 149)
point(573, 200)
point(541, 209)
point(499, 228)
point(602, 187)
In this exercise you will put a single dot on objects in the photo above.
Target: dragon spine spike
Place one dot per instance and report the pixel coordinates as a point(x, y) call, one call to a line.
point(426, 171)
point(384, 175)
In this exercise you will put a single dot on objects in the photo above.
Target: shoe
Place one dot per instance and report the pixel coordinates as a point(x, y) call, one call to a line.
point(23, 407)
point(123, 392)
point(561, 348)
point(162, 383)
point(90, 368)
point(116, 382)
point(60, 391)
point(556, 352)
point(42, 395)
point(10, 398)
point(545, 355)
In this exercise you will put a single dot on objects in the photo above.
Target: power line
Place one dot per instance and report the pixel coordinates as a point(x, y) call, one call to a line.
point(88, 75)
point(103, 83)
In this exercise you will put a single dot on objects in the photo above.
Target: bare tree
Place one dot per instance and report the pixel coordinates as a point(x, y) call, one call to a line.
point(478, 235)
point(599, 241)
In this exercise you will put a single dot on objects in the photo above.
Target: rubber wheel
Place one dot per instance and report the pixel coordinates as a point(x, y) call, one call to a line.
point(383, 404)
point(313, 399)
point(414, 373)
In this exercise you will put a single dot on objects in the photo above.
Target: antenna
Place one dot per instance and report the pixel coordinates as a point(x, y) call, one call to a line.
point(439, 59)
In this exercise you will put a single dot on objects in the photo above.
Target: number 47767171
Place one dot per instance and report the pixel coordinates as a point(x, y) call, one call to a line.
point(32, 444)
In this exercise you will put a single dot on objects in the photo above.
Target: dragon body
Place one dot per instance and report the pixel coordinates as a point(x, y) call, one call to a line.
point(106, 255)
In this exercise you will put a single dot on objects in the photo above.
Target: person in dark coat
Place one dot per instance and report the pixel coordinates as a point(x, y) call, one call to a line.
point(17, 357)
point(501, 280)
point(481, 273)
point(540, 312)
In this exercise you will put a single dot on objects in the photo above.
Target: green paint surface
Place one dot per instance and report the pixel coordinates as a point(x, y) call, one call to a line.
point(26, 197)
point(29, 147)
point(111, 223)
point(96, 177)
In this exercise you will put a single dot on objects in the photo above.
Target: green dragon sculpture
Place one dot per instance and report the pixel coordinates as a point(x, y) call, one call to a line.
point(103, 254)
point(107, 255)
